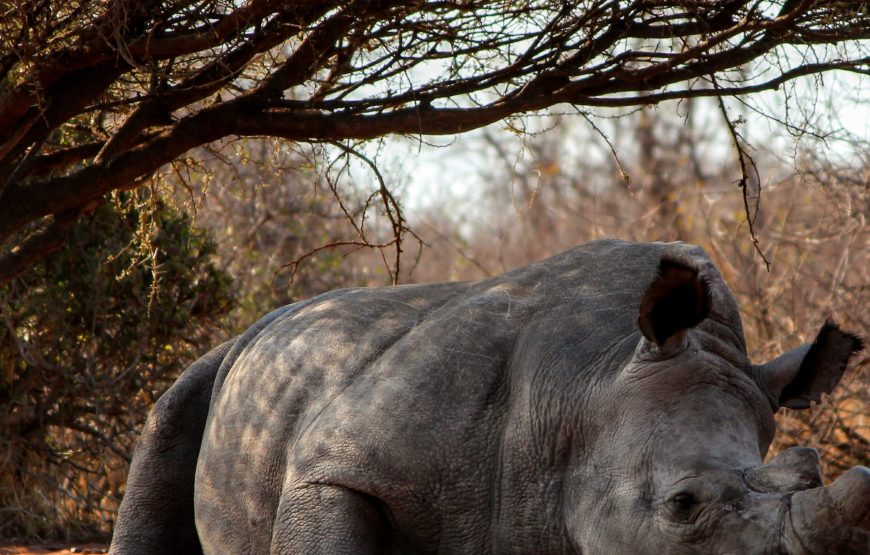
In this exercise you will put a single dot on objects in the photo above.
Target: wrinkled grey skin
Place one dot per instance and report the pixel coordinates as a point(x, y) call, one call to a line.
point(599, 401)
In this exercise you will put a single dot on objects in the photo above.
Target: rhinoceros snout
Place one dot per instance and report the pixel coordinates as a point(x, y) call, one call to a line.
point(833, 519)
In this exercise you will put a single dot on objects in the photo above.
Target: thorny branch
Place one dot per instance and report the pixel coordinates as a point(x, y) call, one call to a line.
point(746, 162)
point(391, 208)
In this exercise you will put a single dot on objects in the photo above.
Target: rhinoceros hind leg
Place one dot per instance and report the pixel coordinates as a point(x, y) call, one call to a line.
point(156, 514)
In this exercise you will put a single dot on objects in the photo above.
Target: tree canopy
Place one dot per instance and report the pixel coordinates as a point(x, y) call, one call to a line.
point(98, 95)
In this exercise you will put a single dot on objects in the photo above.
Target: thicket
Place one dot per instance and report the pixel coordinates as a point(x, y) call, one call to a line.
point(283, 217)
point(89, 339)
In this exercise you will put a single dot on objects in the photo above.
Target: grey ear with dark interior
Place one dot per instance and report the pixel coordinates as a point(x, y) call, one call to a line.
point(677, 300)
point(799, 377)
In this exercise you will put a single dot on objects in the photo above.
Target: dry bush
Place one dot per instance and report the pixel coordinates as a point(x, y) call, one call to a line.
point(289, 221)
point(88, 340)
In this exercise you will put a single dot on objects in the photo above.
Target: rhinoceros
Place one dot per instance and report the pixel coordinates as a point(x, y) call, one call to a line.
point(600, 401)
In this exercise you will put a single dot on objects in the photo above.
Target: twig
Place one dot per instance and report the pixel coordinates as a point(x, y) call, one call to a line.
point(391, 207)
point(622, 173)
point(294, 264)
point(745, 161)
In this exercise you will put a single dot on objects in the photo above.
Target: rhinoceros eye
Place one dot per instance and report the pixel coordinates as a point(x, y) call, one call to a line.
point(682, 505)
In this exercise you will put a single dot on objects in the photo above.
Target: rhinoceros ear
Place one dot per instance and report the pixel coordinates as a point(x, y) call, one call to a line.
point(799, 377)
point(678, 299)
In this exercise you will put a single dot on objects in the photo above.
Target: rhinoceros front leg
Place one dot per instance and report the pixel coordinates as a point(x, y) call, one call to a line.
point(323, 518)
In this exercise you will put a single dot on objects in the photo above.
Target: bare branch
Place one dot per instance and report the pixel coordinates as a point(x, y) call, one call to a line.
point(391, 207)
point(746, 162)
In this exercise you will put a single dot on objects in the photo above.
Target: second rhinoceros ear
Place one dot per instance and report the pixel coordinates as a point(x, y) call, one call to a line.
point(678, 299)
point(799, 377)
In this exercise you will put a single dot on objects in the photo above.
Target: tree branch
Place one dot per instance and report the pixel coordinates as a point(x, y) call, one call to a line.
point(136, 84)
point(42, 242)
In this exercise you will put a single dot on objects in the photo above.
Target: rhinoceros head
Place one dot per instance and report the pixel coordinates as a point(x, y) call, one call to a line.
point(678, 465)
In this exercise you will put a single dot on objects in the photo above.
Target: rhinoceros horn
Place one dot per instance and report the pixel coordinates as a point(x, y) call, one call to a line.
point(832, 519)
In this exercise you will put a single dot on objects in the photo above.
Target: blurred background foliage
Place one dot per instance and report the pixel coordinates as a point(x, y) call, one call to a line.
point(93, 336)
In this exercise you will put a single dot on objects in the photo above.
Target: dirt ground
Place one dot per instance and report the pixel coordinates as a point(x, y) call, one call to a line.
point(55, 549)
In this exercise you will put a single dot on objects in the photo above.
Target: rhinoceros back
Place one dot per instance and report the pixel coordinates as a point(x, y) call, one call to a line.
point(395, 391)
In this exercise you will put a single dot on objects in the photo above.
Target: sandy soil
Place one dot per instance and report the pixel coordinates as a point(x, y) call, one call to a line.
point(55, 549)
